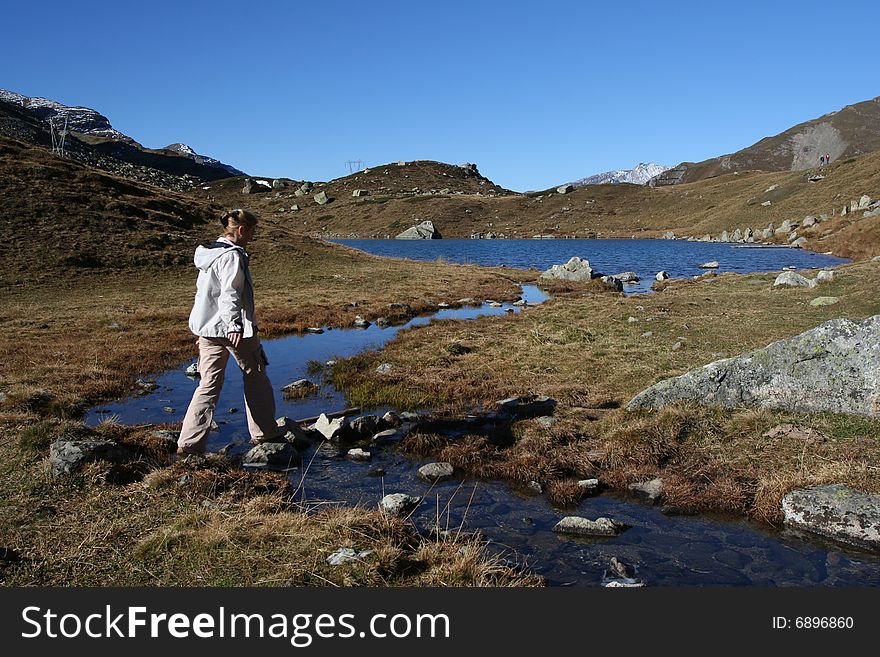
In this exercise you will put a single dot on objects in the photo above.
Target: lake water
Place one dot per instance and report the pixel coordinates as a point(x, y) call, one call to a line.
point(679, 258)
point(666, 550)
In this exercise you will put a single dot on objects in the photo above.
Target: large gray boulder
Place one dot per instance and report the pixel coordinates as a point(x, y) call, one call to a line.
point(253, 186)
point(67, 456)
point(575, 269)
point(834, 367)
point(793, 279)
point(836, 512)
point(578, 526)
point(424, 231)
point(399, 504)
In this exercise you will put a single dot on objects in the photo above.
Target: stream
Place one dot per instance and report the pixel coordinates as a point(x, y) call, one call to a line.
point(666, 550)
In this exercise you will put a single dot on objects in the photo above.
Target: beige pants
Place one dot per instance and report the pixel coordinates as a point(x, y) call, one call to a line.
point(259, 399)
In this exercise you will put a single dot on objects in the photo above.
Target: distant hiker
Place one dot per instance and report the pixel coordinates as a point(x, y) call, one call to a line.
point(223, 318)
point(821, 160)
point(827, 158)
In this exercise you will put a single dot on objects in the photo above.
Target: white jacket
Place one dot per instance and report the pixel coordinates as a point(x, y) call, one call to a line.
point(224, 292)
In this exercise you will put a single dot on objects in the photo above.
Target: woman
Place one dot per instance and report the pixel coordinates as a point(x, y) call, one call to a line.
point(223, 318)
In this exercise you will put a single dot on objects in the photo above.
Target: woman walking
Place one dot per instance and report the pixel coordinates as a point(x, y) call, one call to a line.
point(223, 318)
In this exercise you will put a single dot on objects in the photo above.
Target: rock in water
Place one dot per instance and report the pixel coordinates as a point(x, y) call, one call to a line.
point(837, 512)
point(434, 472)
point(272, 455)
point(585, 527)
point(834, 367)
point(399, 504)
point(424, 231)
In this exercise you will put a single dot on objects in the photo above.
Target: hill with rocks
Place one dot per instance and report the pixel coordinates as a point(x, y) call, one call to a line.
point(851, 131)
point(93, 140)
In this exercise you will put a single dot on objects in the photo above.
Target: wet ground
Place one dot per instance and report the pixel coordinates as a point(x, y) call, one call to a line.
point(666, 550)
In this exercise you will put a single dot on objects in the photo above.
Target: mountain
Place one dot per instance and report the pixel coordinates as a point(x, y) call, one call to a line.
point(638, 175)
point(853, 130)
point(94, 129)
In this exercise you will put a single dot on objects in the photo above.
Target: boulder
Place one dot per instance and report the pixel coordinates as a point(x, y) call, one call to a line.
point(864, 202)
point(394, 435)
point(589, 486)
point(367, 426)
point(306, 187)
point(648, 490)
point(345, 555)
point(528, 406)
point(793, 279)
point(610, 281)
point(578, 526)
point(564, 189)
point(737, 236)
point(278, 183)
point(799, 242)
point(724, 237)
point(575, 269)
point(825, 276)
point(331, 429)
point(871, 213)
point(712, 264)
point(423, 231)
point(253, 186)
point(360, 322)
point(193, 370)
point(669, 235)
point(833, 367)
point(399, 504)
point(299, 389)
point(621, 575)
point(272, 455)
point(358, 454)
point(836, 512)
point(67, 456)
point(360, 192)
point(627, 277)
point(661, 276)
point(321, 198)
point(767, 233)
point(824, 301)
point(434, 472)
point(808, 221)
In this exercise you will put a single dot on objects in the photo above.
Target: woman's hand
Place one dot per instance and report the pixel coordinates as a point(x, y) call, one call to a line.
point(234, 338)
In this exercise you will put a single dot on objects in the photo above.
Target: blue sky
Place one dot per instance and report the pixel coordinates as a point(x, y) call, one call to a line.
point(535, 93)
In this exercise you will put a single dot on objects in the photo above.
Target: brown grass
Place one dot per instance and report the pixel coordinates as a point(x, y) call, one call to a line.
point(583, 352)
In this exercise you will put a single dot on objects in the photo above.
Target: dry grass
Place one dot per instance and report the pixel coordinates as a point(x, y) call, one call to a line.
point(583, 352)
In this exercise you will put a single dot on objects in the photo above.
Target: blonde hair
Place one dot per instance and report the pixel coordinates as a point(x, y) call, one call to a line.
point(235, 218)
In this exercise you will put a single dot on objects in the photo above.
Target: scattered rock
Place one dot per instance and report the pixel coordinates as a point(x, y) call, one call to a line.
point(345, 555)
point(648, 490)
point(435, 472)
point(837, 512)
point(272, 455)
point(574, 270)
point(330, 429)
point(527, 406)
point(168, 409)
point(621, 575)
point(795, 433)
point(564, 189)
point(661, 276)
point(535, 487)
point(399, 504)
point(254, 186)
point(648, 334)
point(146, 386)
point(546, 421)
point(384, 368)
point(67, 456)
point(627, 277)
point(360, 322)
point(793, 279)
point(765, 204)
point(391, 419)
point(366, 426)
point(713, 264)
point(589, 486)
point(314, 329)
point(577, 526)
point(299, 389)
point(834, 367)
point(824, 301)
point(360, 192)
point(799, 242)
point(193, 370)
point(321, 198)
point(825, 276)
point(395, 435)
point(423, 231)
point(610, 281)
point(358, 454)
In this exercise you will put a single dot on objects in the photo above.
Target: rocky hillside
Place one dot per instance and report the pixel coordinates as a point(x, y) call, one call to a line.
point(853, 130)
point(389, 201)
point(21, 117)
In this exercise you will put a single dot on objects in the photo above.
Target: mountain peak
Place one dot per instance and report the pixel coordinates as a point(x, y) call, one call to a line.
point(638, 175)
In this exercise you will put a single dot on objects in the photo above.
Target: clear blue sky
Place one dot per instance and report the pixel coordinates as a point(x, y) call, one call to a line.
point(535, 93)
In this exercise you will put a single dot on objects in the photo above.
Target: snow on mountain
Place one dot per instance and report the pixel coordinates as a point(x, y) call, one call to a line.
point(638, 175)
point(79, 119)
point(186, 151)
